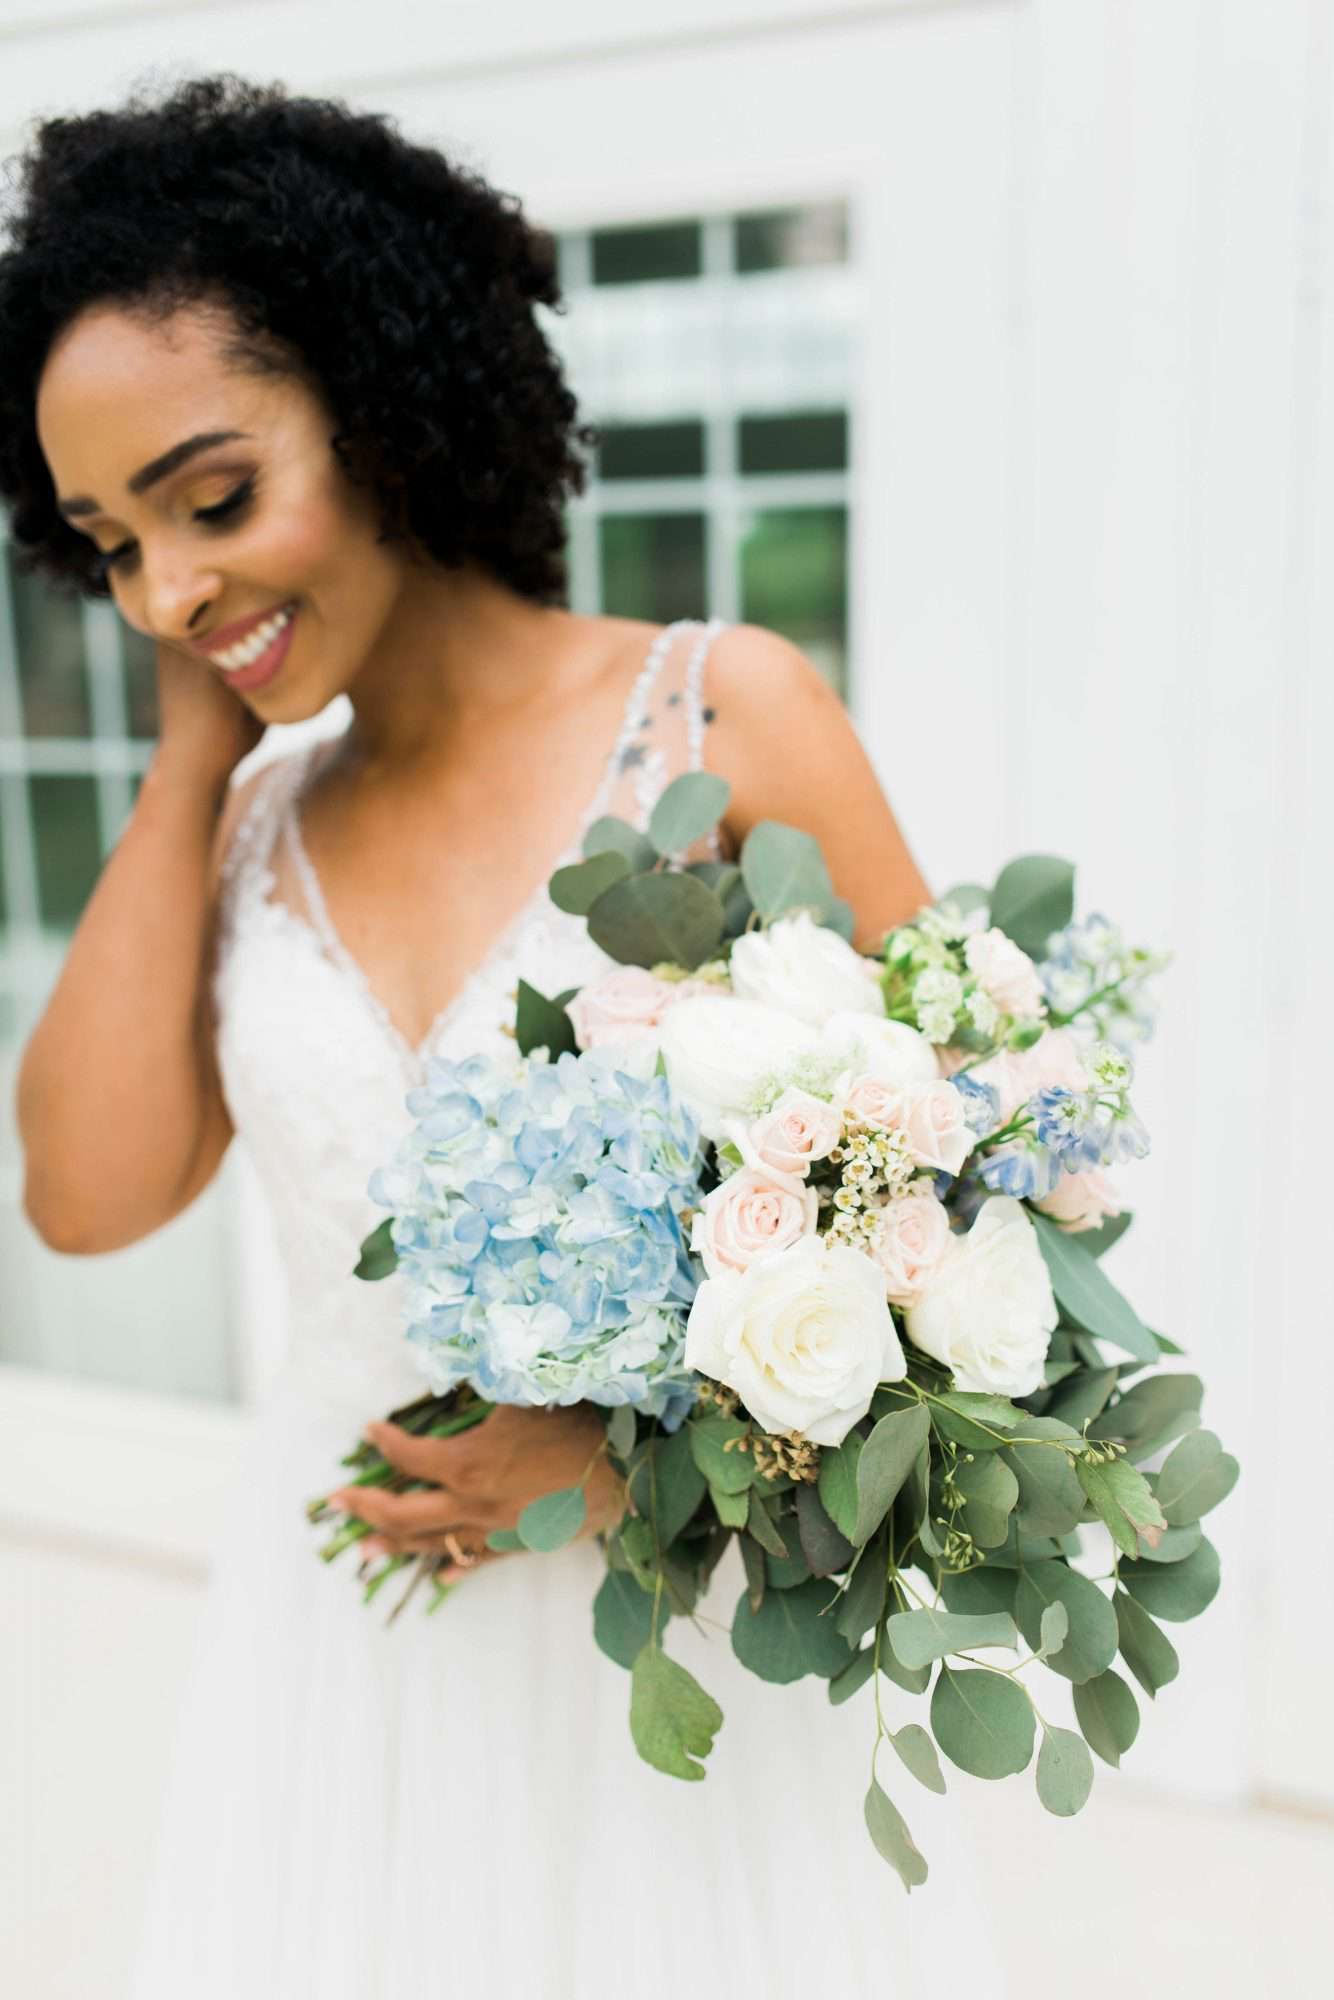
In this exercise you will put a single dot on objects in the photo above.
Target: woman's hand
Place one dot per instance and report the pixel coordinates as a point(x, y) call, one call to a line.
point(202, 726)
point(483, 1479)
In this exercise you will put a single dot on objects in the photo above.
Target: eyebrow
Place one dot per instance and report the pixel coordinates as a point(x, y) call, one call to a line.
point(156, 468)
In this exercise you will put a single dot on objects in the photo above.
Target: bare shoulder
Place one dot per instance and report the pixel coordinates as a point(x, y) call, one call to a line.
point(783, 738)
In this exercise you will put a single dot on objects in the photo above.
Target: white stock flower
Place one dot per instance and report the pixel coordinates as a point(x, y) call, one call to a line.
point(719, 1050)
point(806, 970)
point(987, 1310)
point(803, 1335)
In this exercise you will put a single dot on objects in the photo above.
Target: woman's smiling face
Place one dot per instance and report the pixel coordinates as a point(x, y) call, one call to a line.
point(217, 500)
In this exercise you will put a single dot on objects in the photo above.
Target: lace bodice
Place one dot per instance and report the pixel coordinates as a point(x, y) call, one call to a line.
point(314, 1071)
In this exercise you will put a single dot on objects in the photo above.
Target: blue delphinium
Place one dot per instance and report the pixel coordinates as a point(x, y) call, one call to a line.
point(537, 1218)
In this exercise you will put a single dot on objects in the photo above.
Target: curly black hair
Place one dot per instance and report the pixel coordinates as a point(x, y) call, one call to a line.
point(398, 283)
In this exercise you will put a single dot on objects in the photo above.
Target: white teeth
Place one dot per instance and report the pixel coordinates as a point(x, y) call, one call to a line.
point(246, 651)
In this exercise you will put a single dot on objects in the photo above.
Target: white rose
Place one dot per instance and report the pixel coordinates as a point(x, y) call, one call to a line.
point(719, 1050)
point(804, 1336)
point(806, 970)
point(749, 1215)
point(1005, 972)
point(987, 1311)
point(890, 1051)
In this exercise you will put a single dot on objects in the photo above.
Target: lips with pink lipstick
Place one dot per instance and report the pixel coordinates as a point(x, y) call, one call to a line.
point(253, 661)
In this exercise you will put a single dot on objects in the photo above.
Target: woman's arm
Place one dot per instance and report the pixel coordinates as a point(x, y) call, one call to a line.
point(788, 748)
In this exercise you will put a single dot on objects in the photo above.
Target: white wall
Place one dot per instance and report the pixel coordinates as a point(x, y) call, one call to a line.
point(1095, 446)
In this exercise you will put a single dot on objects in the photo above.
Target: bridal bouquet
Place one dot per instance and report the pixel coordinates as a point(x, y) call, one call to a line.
point(822, 1234)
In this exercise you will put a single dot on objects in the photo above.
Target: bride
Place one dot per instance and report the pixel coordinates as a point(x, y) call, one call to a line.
point(270, 375)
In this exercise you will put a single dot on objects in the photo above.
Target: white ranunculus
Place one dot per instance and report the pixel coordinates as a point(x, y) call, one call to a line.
point(806, 970)
point(987, 1311)
point(890, 1051)
point(803, 1335)
point(719, 1050)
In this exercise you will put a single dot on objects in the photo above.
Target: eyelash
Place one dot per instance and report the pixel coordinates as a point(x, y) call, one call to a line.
point(236, 500)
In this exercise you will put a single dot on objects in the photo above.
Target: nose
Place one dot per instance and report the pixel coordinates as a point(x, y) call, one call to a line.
point(178, 590)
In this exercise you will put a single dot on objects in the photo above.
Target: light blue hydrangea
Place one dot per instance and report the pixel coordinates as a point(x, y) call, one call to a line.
point(537, 1218)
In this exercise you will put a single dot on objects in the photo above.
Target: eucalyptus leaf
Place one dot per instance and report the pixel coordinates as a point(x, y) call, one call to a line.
point(649, 919)
point(863, 1598)
point(1144, 1414)
point(888, 1829)
point(1090, 1645)
point(552, 1520)
point(505, 1541)
point(1064, 1772)
point(785, 1572)
point(732, 1509)
point(1099, 1240)
point(788, 1636)
point(1054, 1628)
point(621, 1430)
point(1084, 1397)
point(672, 1720)
point(855, 1675)
point(1175, 1591)
point(752, 1559)
point(1032, 897)
point(690, 807)
point(990, 1491)
point(1149, 1653)
point(1087, 1295)
point(885, 1463)
point(1195, 1477)
point(1125, 1502)
point(731, 1471)
point(979, 1590)
point(784, 870)
point(838, 1482)
point(983, 1721)
point(623, 1617)
point(918, 1752)
point(1175, 1546)
point(761, 1527)
point(617, 836)
point(1108, 1714)
point(667, 1485)
point(825, 1548)
point(379, 1258)
point(919, 1637)
point(577, 888)
point(959, 1415)
point(540, 1023)
point(964, 896)
point(1051, 1499)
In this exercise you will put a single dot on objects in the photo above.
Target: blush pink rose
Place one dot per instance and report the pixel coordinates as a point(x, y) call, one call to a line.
point(800, 1128)
point(1081, 1201)
point(909, 1243)
point(1004, 972)
point(621, 1005)
point(868, 1100)
point(1053, 1059)
point(748, 1215)
point(930, 1115)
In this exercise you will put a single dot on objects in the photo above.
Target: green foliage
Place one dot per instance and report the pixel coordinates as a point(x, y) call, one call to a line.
point(1176, 1544)
point(918, 1752)
point(855, 1675)
point(672, 1720)
point(1194, 1478)
point(885, 1463)
point(623, 1617)
point(1032, 897)
point(919, 1637)
point(552, 1520)
point(690, 807)
point(1149, 1653)
point(540, 1023)
point(505, 1541)
point(759, 1524)
point(666, 1484)
point(838, 1482)
point(621, 1430)
point(731, 1471)
point(1083, 1395)
point(1108, 1714)
point(1091, 1642)
point(952, 1410)
point(1087, 1295)
point(378, 1256)
point(1175, 1591)
point(990, 1491)
point(785, 1572)
point(979, 1590)
point(788, 1637)
point(887, 1828)
point(1124, 1500)
point(617, 836)
point(825, 1548)
point(983, 1721)
point(1051, 1499)
point(1064, 1771)
point(1099, 1240)
point(577, 888)
point(863, 1596)
point(1151, 1412)
point(784, 870)
point(652, 919)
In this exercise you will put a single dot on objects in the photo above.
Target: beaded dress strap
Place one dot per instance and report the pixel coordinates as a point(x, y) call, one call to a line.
point(244, 869)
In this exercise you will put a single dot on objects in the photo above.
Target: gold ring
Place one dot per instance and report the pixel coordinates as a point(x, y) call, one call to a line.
point(463, 1557)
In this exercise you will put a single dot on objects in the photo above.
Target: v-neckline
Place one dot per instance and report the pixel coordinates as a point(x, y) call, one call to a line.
point(324, 930)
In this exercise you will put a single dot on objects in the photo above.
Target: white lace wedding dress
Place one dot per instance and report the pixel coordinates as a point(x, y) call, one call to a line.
point(452, 1806)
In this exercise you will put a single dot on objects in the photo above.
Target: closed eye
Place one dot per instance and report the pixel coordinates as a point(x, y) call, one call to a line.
point(234, 503)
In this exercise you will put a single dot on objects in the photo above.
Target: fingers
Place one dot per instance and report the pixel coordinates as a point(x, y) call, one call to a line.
point(404, 1513)
point(438, 1459)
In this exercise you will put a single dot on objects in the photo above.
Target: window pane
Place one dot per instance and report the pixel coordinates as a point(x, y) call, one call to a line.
point(69, 849)
point(799, 441)
point(48, 632)
point(778, 238)
point(654, 250)
point(140, 657)
point(653, 566)
point(651, 451)
point(794, 580)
